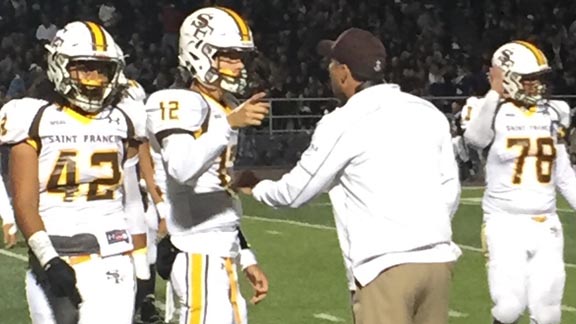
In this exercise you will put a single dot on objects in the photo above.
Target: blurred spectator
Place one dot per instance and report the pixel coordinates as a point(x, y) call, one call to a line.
point(171, 18)
point(108, 15)
point(47, 30)
point(17, 87)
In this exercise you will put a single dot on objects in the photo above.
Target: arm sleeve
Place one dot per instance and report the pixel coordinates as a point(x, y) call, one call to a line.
point(316, 170)
point(565, 176)
point(133, 207)
point(479, 132)
point(6, 211)
point(187, 157)
point(450, 176)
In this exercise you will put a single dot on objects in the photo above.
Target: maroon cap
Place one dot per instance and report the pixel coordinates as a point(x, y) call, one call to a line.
point(360, 50)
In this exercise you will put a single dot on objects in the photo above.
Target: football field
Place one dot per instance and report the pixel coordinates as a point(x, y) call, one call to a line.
point(299, 251)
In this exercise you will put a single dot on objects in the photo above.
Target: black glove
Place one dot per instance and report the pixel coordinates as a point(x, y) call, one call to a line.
point(62, 280)
point(165, 257)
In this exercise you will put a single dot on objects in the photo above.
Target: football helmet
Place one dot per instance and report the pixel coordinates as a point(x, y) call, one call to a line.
point(521, 61)
point(90, 44)
point(207, 32)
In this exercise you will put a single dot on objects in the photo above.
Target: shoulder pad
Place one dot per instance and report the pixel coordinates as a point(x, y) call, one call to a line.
point(473, 101)
point(563, 111)
point(135, 110)
point(470, 110)
point(16, 117)
point(175, 109)
point(135, 91)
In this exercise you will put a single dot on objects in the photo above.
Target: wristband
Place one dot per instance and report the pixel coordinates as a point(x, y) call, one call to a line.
point(42, 247)
point(162, 209)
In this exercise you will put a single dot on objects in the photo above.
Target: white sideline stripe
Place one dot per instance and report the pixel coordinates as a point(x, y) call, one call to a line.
point(13, 255)
point(328, 317)
point(569, 309)
point(477, 201)
point(330, 228)
point(457, 314)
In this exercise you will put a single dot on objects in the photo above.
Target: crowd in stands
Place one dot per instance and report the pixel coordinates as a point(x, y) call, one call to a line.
point(435, 47)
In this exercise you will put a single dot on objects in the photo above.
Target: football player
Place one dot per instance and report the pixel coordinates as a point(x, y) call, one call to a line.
point(74, 183)
point(527, 161)
point(195, 131)
point(145, 309)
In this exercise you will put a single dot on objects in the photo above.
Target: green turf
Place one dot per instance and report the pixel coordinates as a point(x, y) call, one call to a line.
point(305, 269)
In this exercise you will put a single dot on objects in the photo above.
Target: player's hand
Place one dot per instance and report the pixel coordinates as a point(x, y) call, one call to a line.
point(9, 231)
point(259, 282)
point(245, 182)
point(162, 229)
point(496, 77)
point(250, 113)
point(62, 279)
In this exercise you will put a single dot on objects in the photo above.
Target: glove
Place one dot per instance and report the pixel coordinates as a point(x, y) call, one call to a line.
point(10, 239)
point(62, 279)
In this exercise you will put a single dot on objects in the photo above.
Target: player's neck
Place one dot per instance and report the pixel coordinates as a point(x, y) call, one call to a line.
point(80, 111)
point(520, 104)
point(214, 93)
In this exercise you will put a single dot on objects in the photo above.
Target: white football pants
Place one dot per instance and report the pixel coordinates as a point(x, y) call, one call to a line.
point(525, 266)
point(107, 286)
point(151, 232)
point(207, 290)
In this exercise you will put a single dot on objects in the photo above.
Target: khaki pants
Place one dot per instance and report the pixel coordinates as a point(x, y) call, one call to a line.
point(414, 293)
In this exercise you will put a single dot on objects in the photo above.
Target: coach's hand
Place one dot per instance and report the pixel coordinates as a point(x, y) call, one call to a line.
point(245, 181)
point(62, 279)
point(9, 231)
point(249, 113)
point(259, 282)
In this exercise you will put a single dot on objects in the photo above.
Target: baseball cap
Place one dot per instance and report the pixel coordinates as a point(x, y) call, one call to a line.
point(360, 50)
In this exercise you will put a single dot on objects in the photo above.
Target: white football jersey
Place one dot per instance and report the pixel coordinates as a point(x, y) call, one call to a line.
point(520, 173)
point(80, 162)
point(470, 110)
point(202, 209)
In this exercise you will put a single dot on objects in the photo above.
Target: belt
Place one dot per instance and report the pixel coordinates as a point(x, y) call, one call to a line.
point(77, 259)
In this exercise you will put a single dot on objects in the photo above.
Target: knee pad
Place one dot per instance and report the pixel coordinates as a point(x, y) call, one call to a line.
point(508, 310)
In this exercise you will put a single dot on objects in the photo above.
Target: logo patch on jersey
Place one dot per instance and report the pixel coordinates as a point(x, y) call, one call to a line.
point(116, 120)
point(114, 275)
point(117, 236)
point(57, 122)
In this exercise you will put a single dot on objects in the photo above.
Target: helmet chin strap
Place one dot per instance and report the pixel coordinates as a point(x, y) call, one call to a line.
point(225, 80)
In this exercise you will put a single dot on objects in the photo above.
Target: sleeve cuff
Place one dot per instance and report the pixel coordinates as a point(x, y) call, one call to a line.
point(259, 191)
point(246, 258)
point(492, 95)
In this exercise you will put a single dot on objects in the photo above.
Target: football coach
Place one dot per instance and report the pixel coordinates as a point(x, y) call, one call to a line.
point(389, 154)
